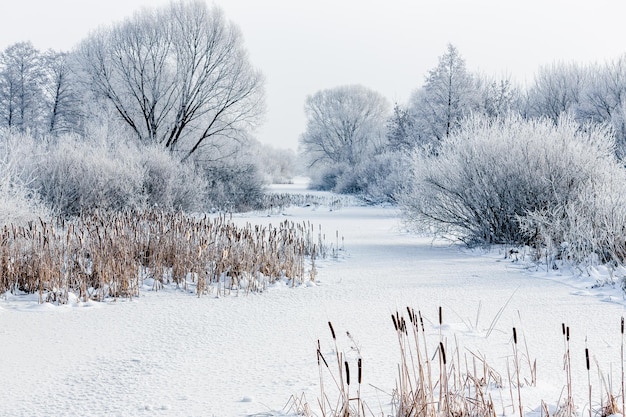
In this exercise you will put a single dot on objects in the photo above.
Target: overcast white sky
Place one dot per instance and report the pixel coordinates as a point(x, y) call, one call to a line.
point(303, 46)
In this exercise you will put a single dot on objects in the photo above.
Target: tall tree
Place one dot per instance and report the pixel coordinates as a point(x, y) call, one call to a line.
point(344, 125)
point(604, 99)
point(178, 76)
point(446, 97)
point(498, 97)
point(402, 134)
point(63, 112)
point(556, 90)
point(20, 86)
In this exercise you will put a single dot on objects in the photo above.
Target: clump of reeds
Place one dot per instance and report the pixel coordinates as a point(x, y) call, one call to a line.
point(428, 388)
point(437, 381)
point(109, 254)
point(344, 383)
point(275, 203)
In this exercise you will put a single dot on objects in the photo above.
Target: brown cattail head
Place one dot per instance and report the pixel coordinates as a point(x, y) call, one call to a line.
point(319, 355)
point(440, 316)
point(443, 352)
point(622, 325)
point(514, 336)
point(563, 328)
point(332, 331)
point(408, 309)
point(318, 352)
point(395, 323)
point(587, 358)
point(360, 370)
point(347, 372)
point(567, 333)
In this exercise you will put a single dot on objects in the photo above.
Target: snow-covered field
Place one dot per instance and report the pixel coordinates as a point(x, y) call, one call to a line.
point(169, 353)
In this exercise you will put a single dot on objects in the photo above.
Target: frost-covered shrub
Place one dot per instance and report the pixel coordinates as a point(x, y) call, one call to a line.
point(493, 172)
point(589, 229)
point(18, 203)
point(169, 184)
point(81, 175)
point(383, 176)
point(233, 186)
point(107, 171)
point(324, 179)
point(340, 178)
point(76, 175)
point(376, 179)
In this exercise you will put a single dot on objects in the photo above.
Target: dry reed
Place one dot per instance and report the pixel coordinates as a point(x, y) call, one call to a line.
point(109, 254)
point(444, 387)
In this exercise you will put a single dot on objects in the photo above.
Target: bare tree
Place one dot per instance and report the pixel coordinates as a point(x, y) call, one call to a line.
point(177, 76)
point(344, 125)
point(62, 99)
point(605, 90)
point(345, 129)
point(20, 86)
point(556, 90)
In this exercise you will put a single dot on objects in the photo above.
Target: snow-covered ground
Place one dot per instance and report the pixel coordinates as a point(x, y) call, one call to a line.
point(170, 353)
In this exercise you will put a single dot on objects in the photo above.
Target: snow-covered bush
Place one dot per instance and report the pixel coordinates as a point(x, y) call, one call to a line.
point(18, 203)
point(73, 174)
point(233, 186)
point(492, 173)
point(80, 175)
point(589, 229)
point(108, 171)
point(169, 184)
point(384, 176)
point(376, 179)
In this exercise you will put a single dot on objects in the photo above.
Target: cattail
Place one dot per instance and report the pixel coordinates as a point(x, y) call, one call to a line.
point(440, 316)
point(514, 336)
point(563, 328)
point(395, 323)
point(567, 333)
point(587, 357)
point(332, 331)
point(359, 367)
point(443, 352)
point(622, 325)
point(347, 372)
point(319, 353)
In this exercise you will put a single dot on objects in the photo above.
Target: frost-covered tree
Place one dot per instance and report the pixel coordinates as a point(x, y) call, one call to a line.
point(556, 90)
point(498, 97)
point(447, 96)
point(604, 98)
point(178, 76)
point(345, 126)
point(61, 93)
point(278, 166)
point(402, 132)
point(21, 82)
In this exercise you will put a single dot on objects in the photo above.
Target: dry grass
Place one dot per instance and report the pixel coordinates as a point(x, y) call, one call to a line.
point(116, 254)
point(436, 380)
point(277, 202)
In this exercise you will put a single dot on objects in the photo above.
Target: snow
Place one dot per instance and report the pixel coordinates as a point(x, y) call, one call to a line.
point(170, 353)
